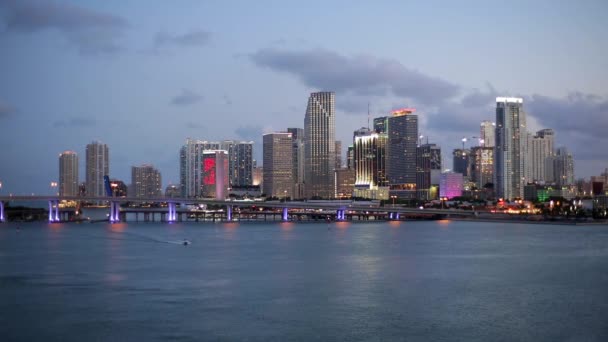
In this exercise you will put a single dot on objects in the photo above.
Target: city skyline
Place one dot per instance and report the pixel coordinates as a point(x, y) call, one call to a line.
point(143, 88)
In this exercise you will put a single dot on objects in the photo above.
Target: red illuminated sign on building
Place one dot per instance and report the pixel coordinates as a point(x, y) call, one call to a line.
point(209, 171)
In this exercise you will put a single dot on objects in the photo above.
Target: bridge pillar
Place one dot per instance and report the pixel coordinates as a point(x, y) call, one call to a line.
point(51, 213)
point(114, 212)
point(229, 213)
point(172, 216)
point(57, 219)
point(2, 218)
point(285, 215)
point(340, 215)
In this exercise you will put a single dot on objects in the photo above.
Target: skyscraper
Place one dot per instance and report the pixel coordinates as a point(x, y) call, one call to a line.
point(542, 147)
point(509, 155)
point(338, 155)
point(68, 174)
point(563, 167)
point(97, 166)
point(461, 162)
point(146, 181)
point(369, 161)
point(278, 164)
point(297, 137)
point(191, 166)
point(428, 169)
point(215, 174)
point(487, 134)
point(482, 165)
point(401, 148)
point(240, 162)
point(320, 145)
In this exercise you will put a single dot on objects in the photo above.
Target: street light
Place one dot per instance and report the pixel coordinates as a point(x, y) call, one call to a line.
point(53, 185)
point(393, 197)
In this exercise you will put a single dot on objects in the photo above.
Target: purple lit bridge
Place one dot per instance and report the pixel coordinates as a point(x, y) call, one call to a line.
point(175, 208)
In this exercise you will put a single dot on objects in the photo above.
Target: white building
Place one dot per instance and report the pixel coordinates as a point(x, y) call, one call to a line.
point(510, 149)
point(68, 174)
point(97, 166)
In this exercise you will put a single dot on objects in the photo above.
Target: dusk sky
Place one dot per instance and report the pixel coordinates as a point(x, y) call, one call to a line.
point(142, 76)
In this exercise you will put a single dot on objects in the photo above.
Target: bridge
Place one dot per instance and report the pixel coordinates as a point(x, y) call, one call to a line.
point(336, 209)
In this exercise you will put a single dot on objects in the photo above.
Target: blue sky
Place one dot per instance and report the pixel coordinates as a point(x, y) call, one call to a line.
point(142, 76)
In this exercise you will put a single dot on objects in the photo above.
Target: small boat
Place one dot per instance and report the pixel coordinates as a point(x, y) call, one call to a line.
point(186, 242)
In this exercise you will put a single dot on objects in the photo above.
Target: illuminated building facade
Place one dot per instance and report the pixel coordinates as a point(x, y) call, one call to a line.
point(486, 138)
point(68, 174)
point(510, 148)
point(97, 166)
point(482, 165)
point(119, 188)
point(428, 170)
point(450, 185)
point(215, 175)
point(146, 181)
point(278, 165)
point(345, 183)
point(191, 166)
point(369, 163)
point(402, 132)
point(320, 145)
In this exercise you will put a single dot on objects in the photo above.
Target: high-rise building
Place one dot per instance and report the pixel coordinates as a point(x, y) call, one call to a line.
point(297, 136)
point(215, 174)
point(350, 157)
point(381, 124)
point(320, 145)
point(369, 164)
point(191, 166)
point(541, 148)
point(172, 191)
point(146, 181)
point(486, 139)
point(338, 155)
point(461, 162)
point(258, 176)
point(97, 166)
point(401, 148)
point(482, 166)
point(118, 187)
point(509, 153)
point(240, 162)
point(428, 169)
point(345, 183)
point(278, 164)
point(68, 174)
point(563, 167)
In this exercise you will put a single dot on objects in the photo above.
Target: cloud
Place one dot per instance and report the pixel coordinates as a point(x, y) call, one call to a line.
point(6, 110)
point(186, 98)
point(195, 125)
point(249, 132)
point(361, 75)
point(227, 100)
point(75, 122)
point(580, 121)
point(194, 38)
point(92, 32)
